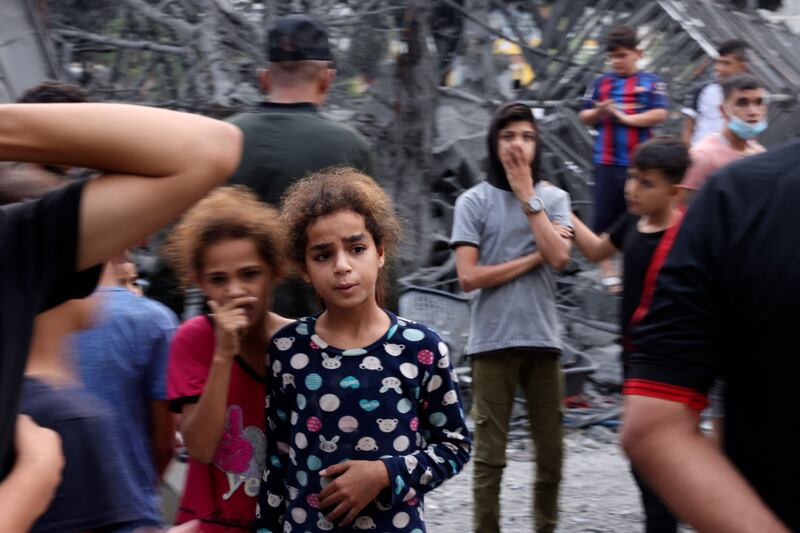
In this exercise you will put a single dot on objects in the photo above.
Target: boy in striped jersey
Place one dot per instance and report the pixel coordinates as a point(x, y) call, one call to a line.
point(623, 104)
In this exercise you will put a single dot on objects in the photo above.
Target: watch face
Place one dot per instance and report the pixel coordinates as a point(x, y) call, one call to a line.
point(535, 204)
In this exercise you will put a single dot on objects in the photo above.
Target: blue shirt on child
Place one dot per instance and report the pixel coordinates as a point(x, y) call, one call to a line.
point(122, 359)
point(395, 400)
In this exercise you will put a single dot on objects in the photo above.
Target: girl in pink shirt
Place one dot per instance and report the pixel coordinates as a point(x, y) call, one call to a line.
point(228, 245)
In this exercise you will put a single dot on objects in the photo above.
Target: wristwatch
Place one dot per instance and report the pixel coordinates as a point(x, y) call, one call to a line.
point(533, 205)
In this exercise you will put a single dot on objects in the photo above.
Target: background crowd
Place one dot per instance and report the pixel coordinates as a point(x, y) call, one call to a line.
point(363, 413)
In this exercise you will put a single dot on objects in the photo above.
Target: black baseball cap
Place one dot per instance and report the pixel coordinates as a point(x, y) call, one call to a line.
point(298, 38)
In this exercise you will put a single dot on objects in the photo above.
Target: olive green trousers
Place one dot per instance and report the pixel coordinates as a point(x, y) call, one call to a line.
point(495, 379)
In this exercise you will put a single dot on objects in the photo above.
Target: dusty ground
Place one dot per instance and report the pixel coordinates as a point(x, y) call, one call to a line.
point(598, 493)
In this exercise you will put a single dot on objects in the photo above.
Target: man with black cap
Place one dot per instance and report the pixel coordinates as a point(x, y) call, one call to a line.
point(287, 137)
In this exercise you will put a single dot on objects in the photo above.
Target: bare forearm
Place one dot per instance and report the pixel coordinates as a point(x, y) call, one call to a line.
point(132, 145)
point(646, 119)
point(203, 426)
point(591, 245)
point(115, 138)
point(146, 208)
point(485, 276)
point(195, 154)
point(589, 116)
point(22, 500)
point(694, 478)
point(553, 247)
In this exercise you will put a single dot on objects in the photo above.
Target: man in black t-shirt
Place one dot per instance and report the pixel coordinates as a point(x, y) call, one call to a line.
point(93, 492)
point(725, 305)
point(651, 192)
point(157, 163)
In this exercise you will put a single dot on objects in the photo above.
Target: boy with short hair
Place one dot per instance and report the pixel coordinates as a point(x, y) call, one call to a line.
point(702, 111)
point(624, 105)
point(725, 305)
point(122, 360)
point(643, 234)
point(744, 110)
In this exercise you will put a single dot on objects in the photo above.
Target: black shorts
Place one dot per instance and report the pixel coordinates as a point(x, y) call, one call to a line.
point(609, 196)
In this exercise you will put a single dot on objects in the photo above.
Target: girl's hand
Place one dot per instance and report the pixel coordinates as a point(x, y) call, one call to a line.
point(230, 323)
point(356, 484)
point(518, 172)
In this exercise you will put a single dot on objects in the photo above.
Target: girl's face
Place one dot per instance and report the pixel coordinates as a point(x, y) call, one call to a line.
point(233, 268)
point(342, 260)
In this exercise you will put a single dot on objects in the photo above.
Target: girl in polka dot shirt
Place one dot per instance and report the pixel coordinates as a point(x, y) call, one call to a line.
point(364, 413)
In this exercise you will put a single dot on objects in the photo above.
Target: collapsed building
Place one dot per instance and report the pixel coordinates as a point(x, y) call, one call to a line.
point(679, 40)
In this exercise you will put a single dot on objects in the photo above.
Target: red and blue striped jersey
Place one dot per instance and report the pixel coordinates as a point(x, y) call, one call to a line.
point(633, 94)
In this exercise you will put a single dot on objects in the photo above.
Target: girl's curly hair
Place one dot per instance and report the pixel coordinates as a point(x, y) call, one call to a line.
point(339, 189)
point(232, 212)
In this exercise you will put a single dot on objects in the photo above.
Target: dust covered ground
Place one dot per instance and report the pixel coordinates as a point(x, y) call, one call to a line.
point(598, 493)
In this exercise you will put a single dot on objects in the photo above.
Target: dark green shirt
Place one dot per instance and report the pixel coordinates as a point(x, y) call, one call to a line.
point(284, 142)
